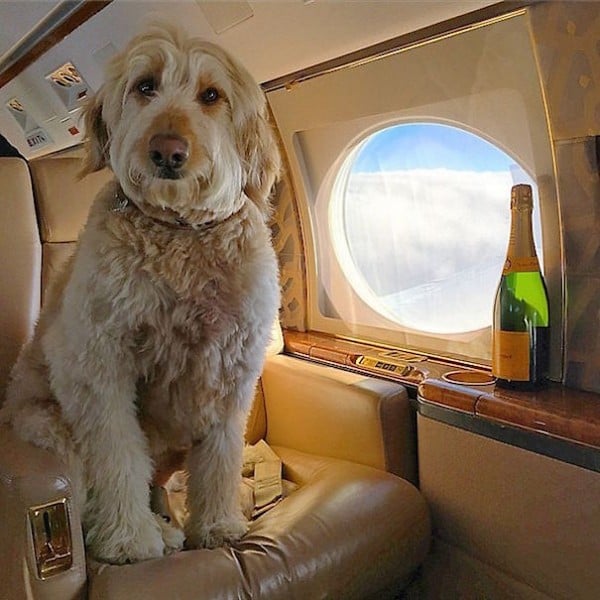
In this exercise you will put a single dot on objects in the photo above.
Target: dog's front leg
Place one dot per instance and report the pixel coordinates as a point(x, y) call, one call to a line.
point(215, 465)
point(97, 392)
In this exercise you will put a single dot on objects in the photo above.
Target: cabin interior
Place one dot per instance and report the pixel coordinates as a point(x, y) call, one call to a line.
point(403, 126)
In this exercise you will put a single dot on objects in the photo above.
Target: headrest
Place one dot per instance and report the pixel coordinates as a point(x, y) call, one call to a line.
point(64, 201)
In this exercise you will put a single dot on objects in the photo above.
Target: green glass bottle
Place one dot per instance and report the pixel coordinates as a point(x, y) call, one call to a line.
point(520, 331)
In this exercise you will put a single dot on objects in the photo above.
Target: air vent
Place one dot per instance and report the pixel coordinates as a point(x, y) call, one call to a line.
point(35, 136)
point(24, 119)
point(70, 86)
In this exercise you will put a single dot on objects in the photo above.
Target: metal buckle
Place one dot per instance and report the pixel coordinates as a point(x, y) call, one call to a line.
point(51, 533)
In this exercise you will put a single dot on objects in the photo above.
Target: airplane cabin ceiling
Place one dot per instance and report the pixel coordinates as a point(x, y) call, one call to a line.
point(272, 38)
point(18, 17)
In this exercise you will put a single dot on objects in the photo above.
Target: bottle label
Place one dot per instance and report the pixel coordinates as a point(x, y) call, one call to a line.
point(524, 264)
point(510, 358)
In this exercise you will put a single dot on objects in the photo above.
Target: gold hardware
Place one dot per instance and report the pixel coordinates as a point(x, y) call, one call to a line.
point(51, 534)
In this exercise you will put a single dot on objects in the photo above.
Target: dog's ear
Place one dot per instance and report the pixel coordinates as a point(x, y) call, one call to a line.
point(263, 161)
point(96, 136)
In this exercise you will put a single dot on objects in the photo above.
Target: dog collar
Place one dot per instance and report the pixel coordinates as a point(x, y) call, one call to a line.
point(168, 217)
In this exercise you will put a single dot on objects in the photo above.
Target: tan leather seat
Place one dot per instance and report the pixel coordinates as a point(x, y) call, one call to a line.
point(20, 263)
point(351, 529)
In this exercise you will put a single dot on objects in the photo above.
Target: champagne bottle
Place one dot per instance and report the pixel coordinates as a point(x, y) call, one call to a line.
point(520, 331)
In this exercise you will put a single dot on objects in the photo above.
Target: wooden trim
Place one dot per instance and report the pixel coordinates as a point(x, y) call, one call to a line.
point(403, 42)
point(556, 411)
point(394, 364)
point(441, 393)
point(79, 16)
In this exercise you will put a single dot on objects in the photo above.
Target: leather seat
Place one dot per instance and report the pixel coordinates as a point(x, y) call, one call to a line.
point(355, 527)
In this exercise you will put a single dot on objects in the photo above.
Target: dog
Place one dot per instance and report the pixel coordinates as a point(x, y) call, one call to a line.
point(148, 349)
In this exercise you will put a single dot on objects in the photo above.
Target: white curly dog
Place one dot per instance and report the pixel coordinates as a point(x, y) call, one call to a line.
point(150, 344)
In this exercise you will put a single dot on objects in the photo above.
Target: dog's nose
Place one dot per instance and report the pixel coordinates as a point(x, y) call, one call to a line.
point(169, 151)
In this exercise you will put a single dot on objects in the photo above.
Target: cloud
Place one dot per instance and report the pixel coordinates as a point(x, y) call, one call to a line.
point(427, 244)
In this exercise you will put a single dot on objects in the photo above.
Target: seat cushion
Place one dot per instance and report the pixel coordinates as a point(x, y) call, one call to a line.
point(63, 199)
point(349, 531)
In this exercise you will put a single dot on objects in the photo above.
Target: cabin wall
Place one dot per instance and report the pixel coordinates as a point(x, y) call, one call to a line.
point(565, 35)
point(470, 79)
point(289, 245)
point(508, 523)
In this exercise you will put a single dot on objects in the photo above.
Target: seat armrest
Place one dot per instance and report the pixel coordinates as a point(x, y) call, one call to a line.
point(31, 477)
point(329, 412)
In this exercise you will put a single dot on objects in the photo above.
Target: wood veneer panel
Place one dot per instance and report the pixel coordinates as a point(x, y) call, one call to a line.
point(297, 342)
point(557, 411)
point(449, 395)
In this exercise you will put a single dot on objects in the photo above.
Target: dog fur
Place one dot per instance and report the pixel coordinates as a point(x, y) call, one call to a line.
point(152, 339)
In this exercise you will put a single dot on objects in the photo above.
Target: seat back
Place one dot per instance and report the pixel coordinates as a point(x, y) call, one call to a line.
point(20, 265)
point(45, 207)
point(63, 202)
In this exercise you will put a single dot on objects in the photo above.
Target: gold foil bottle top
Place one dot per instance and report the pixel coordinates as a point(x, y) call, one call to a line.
point(521, 197)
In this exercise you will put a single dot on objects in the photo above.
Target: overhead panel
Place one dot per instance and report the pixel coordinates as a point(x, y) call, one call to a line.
point(222, 16)
point(270, 38)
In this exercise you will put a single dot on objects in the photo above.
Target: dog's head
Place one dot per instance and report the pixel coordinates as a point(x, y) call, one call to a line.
point(183, 126)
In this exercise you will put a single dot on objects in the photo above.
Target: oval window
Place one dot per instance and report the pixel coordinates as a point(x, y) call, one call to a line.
point(420, 219)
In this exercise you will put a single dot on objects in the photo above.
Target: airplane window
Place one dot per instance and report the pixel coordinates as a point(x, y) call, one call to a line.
point(402, 166)
point(420, 219)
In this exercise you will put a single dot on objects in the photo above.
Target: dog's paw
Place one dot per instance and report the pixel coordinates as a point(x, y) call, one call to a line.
point(215, 535)
point(173, 537)
point(127, 543)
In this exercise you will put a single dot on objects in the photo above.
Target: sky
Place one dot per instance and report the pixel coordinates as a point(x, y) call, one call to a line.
point(426, 217)
point(429, 146)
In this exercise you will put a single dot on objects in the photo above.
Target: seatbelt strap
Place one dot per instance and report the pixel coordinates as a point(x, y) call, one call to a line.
point(268, 486)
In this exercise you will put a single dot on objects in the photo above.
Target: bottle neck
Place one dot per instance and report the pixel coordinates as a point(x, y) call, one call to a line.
point(521, 254)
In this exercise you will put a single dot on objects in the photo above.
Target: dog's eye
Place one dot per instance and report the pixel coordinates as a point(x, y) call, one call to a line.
point(210, 95)
point(147, 87)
